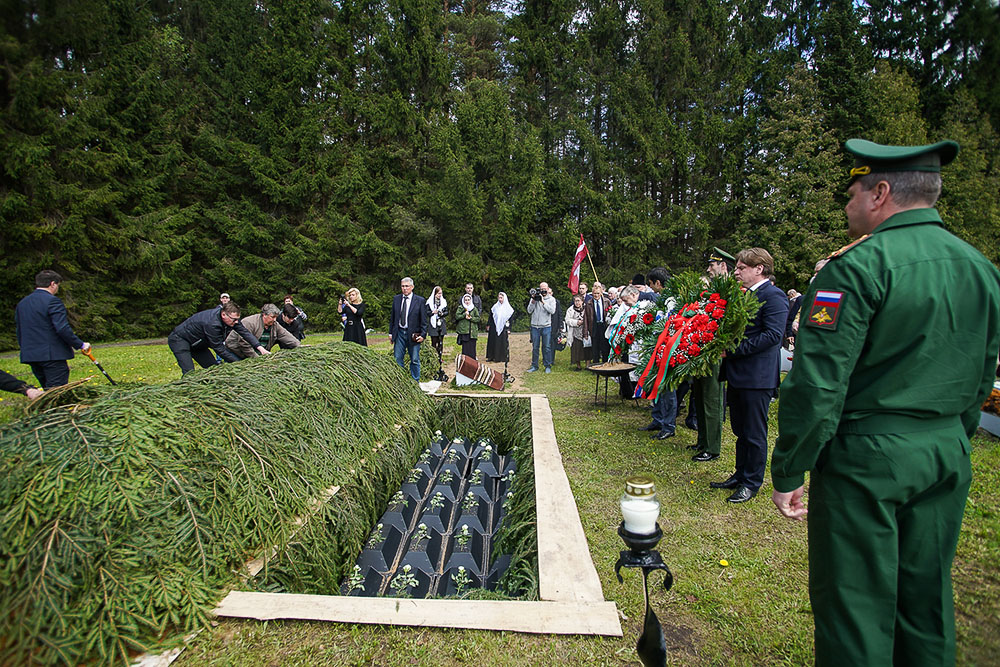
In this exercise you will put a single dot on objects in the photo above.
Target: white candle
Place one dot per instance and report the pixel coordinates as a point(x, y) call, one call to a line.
point(639, 505)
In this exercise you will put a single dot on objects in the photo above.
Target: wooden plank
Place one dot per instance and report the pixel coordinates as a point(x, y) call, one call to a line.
point(565, 569)
point(565, 618)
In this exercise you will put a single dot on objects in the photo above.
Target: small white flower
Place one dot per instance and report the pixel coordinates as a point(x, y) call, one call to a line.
point(406, 568)
point(465, 527)
point(423, 526)
point(460, 568)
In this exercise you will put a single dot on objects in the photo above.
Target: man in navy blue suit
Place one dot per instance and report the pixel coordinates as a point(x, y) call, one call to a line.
point(408, 326)
point(44, 334)
point(752, 370)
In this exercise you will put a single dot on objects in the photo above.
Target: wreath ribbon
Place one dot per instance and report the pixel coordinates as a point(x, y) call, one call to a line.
point(665, 340)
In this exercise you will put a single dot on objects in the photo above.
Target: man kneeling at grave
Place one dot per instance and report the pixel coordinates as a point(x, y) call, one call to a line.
point(264, 326)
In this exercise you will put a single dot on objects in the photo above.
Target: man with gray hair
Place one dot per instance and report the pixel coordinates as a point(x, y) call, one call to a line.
point(408, 326)
point(264, 325)
point(896, 351)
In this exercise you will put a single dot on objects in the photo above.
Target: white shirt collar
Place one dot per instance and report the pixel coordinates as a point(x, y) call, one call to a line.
point(755, 287)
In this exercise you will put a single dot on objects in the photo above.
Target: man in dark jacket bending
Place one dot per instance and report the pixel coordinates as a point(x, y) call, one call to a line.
point(195, 338)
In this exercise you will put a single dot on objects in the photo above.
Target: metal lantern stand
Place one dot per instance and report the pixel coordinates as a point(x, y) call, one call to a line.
point(651, 647)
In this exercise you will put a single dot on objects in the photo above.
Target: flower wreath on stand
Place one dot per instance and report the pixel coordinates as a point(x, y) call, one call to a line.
point(690, 342)
point(626, 322)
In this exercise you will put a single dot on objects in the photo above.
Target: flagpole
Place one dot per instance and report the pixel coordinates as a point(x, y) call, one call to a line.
point(592, 266)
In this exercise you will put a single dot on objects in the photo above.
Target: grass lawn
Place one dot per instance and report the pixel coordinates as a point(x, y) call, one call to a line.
point(754, 611)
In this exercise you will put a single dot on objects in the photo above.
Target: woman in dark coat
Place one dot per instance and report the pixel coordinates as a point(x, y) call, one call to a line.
point(354, 308)
point(467, 326)
point(437, 311)
point(501, 314)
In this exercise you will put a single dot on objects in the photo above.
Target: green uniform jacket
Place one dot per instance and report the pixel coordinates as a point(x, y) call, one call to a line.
point(912, 343)
point(464, 326)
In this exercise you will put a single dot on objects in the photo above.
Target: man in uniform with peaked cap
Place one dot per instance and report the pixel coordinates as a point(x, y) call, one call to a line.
point(707, 392)
point(895, 354)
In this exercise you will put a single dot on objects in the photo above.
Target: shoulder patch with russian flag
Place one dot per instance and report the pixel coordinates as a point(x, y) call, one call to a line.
point(825, 310)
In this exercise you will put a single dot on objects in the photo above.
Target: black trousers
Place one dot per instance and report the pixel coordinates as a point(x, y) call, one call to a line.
point(748, 418)
point(600, 346)
point(186, 356)
point(50, 373)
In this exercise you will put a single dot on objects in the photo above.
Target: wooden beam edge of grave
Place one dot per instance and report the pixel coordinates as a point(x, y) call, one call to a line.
point(566, 570)
point(561, 618)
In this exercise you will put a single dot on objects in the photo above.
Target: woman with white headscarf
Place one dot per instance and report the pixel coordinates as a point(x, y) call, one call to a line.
point(437, 311)
point(467, 326)
point(499, 327)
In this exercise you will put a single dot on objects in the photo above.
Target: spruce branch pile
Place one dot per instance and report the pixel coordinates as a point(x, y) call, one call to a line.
point(126, 515)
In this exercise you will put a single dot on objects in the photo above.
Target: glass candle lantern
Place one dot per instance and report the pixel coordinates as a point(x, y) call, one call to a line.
point(640, 508)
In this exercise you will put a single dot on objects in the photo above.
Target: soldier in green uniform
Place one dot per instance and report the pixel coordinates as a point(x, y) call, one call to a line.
point(706, 392)
point(895, 355)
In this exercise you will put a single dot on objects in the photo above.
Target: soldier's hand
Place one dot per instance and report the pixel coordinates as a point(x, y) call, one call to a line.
point(790, 504)
point(263, 350)
point(86, 346)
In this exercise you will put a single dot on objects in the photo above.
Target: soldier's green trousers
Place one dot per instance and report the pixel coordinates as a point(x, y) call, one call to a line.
point(885, 511)
point(708, 397)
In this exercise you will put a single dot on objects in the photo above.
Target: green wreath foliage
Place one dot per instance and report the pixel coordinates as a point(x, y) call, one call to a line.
point(690, 287)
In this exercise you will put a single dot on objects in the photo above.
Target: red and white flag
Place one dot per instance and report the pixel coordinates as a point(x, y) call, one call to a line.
point(574, 276)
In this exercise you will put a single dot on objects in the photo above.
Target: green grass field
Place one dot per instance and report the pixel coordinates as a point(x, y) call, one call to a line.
point(753, 611)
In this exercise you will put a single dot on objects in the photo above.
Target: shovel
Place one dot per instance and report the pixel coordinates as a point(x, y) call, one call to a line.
point(89, 352)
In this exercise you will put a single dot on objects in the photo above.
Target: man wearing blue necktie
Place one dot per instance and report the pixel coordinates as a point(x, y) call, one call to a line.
point(595, 322)
point(408, 326)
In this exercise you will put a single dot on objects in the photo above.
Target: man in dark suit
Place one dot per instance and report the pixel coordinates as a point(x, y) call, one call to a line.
point(408, 326)
point(205, 333)
point(752, 371)
point(44, 334)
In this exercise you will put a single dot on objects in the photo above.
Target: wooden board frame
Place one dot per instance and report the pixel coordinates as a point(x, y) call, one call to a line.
point(572, 601)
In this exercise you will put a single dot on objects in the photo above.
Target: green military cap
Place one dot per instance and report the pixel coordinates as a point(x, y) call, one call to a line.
point(870, 157)
point(719, 255)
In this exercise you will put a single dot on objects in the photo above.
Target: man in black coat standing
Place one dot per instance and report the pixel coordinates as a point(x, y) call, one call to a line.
point(753, 372)
point(198, 336)
point(408, 326)
point(44, 334)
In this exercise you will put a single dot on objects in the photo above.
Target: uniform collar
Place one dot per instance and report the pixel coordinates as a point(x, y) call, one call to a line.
point(913, 216)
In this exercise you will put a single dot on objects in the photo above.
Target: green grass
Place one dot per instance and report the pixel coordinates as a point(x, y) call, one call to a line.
point(753, 612)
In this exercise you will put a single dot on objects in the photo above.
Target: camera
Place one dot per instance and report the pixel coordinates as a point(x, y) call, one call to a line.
point(537, 294)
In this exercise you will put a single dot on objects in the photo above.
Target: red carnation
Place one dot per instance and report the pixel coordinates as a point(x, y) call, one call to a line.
point(629, 338)
point(618, 349)
point(712, 326)
point(681, 359)
point(694, 350)
point(632, 318)
point(673, 361)
point(648, 318)
point(715, 297)
point(718, 313)
point(722, 302)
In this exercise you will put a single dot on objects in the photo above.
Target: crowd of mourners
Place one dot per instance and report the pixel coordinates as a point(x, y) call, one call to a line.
point(879, 409)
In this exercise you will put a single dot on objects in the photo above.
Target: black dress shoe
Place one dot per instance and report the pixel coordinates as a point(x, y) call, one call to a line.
point(730, 483)
point(651, 427)
point(702, 457)
point(664, 434)
point(691, 425)
point(693, 447)
point(741, 495)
